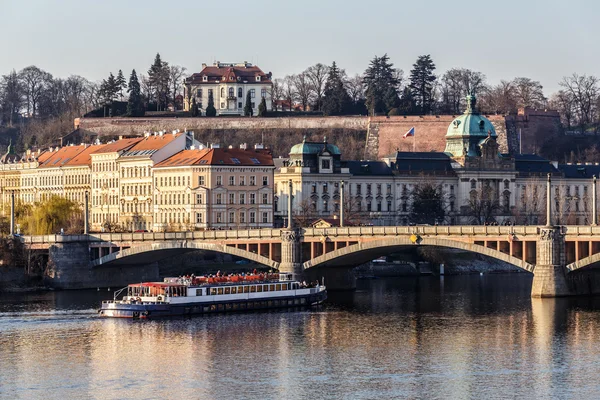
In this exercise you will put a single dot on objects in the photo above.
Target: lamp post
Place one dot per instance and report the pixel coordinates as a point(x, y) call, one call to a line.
point(12, 213)
point(549, 202)
point(594, 203)
point(290, 221)
point(86, 215)
point(342, 204)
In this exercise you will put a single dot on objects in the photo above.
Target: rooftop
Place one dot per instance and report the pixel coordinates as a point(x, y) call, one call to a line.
point(219, 156)
point(229, 72)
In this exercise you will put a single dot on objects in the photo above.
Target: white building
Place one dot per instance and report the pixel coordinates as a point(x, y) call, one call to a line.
point(229, 85)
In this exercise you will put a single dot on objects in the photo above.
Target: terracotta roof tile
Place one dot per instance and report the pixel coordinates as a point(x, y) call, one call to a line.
point(232, 157)
point(118, 145)
point(224, 73)
point(84, 158)
point(154, 142)
point(62, 156)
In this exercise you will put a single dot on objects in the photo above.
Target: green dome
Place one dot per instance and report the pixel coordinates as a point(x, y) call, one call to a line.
point(467, 131)
point(314, 148)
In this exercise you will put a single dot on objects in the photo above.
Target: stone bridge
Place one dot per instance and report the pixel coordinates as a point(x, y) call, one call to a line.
point(561, 258)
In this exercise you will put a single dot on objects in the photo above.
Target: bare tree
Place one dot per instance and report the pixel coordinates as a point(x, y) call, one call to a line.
point(529, 93)
point(305, 213)
point(564, 102)
point(289, 91)
point(11, 96)
point(483, 204)
point(584, 90)
point(499, 99)
point(304, 89)
point(530, 208)
point(356, 88)
point(176, 72)
point(276, 93)
point(147, 89)
point(34, 81)
point(456, 83)
point(317, 75)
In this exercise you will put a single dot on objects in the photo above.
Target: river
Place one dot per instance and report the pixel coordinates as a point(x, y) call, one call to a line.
point(437, 338)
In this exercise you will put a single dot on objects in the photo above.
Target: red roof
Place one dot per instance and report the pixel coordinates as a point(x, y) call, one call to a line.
point(233, 157)
point(224, 73)
point(62, 156)
point(154, 142)
point(118, 145)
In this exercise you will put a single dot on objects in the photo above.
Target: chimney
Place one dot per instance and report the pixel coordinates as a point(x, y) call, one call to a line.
point(120, 137)
point(192, 147)
point(243, 146)
point(259, 146)
point(203, 65)
point(215, 146)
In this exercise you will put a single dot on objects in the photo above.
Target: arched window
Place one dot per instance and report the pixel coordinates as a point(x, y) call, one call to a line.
point(231, 92)
point(222, 92)
point(240, 93)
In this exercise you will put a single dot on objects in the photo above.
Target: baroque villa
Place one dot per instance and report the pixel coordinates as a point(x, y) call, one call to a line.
point(229, 85)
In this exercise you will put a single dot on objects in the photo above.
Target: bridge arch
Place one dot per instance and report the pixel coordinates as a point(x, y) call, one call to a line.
point(593, 260)
point(365, 251)
point(161, 250)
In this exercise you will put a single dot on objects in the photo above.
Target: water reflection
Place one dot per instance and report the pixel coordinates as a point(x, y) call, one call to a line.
point(455, 337)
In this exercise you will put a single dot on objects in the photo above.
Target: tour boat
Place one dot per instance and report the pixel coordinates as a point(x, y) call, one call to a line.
point(203, 295)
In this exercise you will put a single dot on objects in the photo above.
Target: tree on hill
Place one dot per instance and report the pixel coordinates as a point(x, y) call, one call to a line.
point(158, 77)
point(427, 204)
point(194, 107)
point(262, 108)
point(121, 84)
point(109, 89)
point(422, 80)
point(336, 100)
point(248, 106)
point(211, 111)
point(11, 97)
point(381, 81)
point(135, 104)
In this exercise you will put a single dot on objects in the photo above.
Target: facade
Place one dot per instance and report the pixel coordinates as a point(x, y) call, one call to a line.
point(229, 85)
point(214, 188)
point(479, 184)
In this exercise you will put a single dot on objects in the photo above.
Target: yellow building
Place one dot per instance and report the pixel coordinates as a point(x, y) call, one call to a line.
point(214, 188)
point(135, 176)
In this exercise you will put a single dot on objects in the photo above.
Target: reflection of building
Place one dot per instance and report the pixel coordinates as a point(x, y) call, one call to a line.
point(477, 182)
point(229, 85)
point(214, 188)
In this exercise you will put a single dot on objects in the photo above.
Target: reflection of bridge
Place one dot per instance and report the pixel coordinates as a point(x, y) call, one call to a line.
point(561, 258)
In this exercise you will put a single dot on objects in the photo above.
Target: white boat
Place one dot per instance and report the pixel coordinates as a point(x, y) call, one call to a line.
point(203, 295)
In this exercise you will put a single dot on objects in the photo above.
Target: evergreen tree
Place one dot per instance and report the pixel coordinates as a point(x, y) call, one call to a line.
point(427, 204)
point(121, 83)
point(248, 107)
point(135, 104)
point(422, 79)
point(336, 100)
point(158, 77)
point(262, 108)
point(381, 84)
point(194, 107)
point(211, 111)
point(109, 89)
point(407, 103)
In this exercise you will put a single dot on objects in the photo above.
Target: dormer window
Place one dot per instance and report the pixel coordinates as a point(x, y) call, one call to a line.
point(231, 78)
point(239, 79)
point(204, 78)
point(258, 79)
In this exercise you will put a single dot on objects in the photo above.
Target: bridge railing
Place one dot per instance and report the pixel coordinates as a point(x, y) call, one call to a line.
point(423, 230)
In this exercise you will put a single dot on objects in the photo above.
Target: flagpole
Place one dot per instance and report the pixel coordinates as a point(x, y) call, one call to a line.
point(413, 142)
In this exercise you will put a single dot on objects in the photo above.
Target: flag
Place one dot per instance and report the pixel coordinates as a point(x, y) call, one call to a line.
point(411, 132)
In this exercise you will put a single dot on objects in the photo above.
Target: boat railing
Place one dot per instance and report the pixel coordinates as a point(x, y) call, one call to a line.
point(118, 292)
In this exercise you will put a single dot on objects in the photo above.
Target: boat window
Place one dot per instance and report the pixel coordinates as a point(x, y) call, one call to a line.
point(213, 291)
point(278, 287)
point(240, 289)
point(199, 292)
point(253, 289)
point(220, 290)
point(284, 286)
point(227, 290)
point(272, 288)
point(246, 289)
point(234, 290)
point(259, 288)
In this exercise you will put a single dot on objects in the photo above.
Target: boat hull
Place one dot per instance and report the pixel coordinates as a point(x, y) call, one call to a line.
point(152, 310)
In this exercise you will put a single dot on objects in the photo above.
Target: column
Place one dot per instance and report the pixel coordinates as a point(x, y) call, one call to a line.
point(549, 202)
point(341, 204)
point(290, 219)
point(594, 205)
point(291, 257)
point(549, 275)
point(12, 213)
point(86, 214)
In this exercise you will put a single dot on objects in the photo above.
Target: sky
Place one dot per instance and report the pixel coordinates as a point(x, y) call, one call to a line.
point(542, 40)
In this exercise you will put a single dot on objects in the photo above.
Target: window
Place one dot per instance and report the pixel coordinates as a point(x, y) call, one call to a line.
point(198, 218)
point(205, 79)
point(325, 206)
point(325, 164)
point(199, 93)
point(473, 184)
point(200, 181)
point(240, 94)
point(379, 188)
point(252, 93)
point(219, 217)
point(219, 196)
point(263, 93)
point(252, 198)
point(389, 206)
point(222, 92)
point(252, 181)
point(325, 188)
point(231, 217)
point(313, 188)
point(265, 218)
point(198, 198)
point(242, 198)
point(210, 92)
point(240, 104)
point(231, 92)
point(242, 180)
point(265, 198)
point(265, 180)
point(389, 188)
point(231, 198)
point(252, 105)
point(232, 180)
point(252, 217)
point(242, 217)
point(369, 189)
point(379, 206)
point(358, 188)
point(368, 206)
point(219, 180)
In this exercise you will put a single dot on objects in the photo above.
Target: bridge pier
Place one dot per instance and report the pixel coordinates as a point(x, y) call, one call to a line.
point(291, 253)
point(550, 274)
